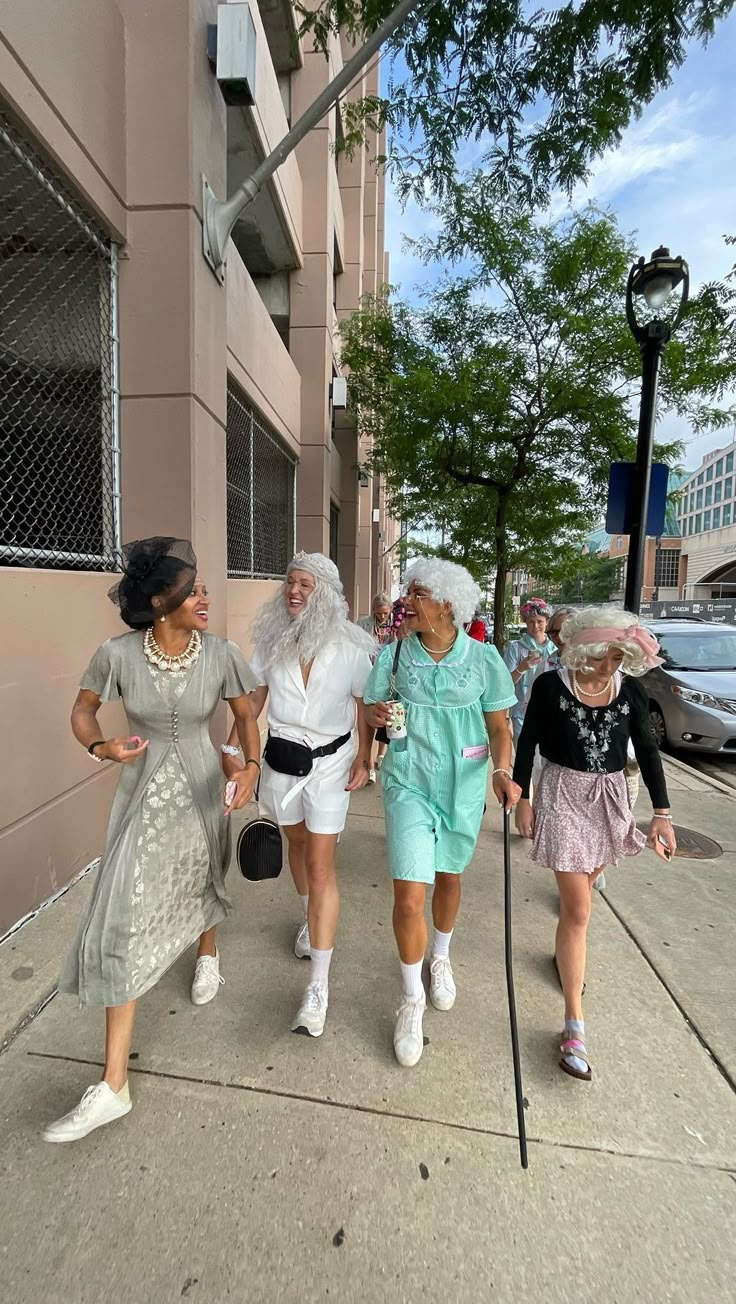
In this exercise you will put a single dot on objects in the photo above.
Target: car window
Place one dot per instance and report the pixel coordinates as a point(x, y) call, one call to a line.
point(696, 651)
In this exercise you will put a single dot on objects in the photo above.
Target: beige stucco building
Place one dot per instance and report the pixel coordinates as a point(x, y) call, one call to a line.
point(140, 396)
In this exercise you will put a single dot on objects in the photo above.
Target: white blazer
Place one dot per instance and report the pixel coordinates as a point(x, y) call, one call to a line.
point(325, 709)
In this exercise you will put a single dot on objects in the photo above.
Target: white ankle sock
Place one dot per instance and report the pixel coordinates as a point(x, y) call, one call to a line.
point(441, 943)
point(411, 977)
point(320, 972)
point(305, 903)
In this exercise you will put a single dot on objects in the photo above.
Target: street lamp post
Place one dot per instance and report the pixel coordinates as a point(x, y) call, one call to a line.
point(654, 281)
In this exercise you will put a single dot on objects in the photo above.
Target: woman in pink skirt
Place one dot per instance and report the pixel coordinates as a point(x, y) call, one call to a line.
point(581, 717)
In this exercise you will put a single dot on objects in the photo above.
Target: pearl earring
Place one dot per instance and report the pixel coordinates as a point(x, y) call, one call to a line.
point(162, 619)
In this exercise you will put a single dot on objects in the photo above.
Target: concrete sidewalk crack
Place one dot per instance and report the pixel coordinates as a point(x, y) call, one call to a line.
point(675, 1001)
point(374, 1111)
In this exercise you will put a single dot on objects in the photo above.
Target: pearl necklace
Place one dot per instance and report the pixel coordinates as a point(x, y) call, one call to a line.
point(437, 651)
point(163, 661)
point(584, 691)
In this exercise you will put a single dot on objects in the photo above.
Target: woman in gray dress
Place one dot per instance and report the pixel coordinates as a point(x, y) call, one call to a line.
point(161, 882)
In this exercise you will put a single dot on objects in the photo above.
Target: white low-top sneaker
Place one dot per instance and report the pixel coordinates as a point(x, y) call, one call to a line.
point(371, 776)
point(599, 883)
point(207, 979)
point(408, 1033)
point(310, 1019)
point(442, 989)
point(302, 944)
point(99, 1105)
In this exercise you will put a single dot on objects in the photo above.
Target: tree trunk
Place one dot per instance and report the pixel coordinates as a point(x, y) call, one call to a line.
point(499, 599)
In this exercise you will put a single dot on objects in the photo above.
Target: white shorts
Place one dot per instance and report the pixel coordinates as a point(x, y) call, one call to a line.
point(321, 802)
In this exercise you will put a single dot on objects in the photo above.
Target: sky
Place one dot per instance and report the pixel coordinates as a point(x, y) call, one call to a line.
point(672, 181)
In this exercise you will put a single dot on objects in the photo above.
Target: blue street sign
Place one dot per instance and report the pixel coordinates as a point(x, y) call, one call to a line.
point(620, 496)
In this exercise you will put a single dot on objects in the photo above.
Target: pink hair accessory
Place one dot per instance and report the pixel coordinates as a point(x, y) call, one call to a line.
point(610, 634)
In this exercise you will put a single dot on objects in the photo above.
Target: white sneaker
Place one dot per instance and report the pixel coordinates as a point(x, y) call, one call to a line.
point(408, 1033)
point(380, 760)
point(442, 989)
point(371, 776)
point(599, 883)
point(99, 1105)
point(207, 979)
point(302, 944)
point(313, 1011)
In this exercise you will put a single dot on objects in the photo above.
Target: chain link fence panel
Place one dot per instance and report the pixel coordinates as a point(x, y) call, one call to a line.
point(59, 447)
point(261, 495)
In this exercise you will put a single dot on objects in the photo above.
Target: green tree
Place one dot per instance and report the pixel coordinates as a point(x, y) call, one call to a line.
point(540, 91)
point(496, 405)
point(596, 580)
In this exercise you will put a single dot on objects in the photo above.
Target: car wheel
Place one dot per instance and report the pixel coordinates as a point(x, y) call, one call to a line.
point(659, 728)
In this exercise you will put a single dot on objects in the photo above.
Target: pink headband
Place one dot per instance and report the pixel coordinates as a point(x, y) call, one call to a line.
point(610, 634)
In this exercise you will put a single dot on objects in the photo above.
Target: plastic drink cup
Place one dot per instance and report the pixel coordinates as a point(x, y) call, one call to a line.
point(396, 726)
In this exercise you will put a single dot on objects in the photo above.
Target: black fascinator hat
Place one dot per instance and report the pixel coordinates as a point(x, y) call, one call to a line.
point(161, 568)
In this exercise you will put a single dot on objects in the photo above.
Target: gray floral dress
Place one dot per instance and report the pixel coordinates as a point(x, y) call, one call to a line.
point(162, 877)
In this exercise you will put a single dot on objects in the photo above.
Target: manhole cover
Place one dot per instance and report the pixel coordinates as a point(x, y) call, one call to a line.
point(691, 845)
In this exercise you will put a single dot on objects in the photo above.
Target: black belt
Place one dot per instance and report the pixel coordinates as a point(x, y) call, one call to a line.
point(289, 757)
point(329, 749)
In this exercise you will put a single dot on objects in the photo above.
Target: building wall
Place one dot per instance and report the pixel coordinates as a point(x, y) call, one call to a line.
point(121, 99)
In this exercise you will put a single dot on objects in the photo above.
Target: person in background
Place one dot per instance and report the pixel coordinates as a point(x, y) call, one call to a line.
point(456, 693)
point(160, 886)
point(380, 625)
point(312, 664)
point(581, 718)
point(528, 657)
point(476, 628)
point(554, 626)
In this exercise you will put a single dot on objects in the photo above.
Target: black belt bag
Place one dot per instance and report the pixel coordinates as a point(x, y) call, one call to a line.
point(288, 757)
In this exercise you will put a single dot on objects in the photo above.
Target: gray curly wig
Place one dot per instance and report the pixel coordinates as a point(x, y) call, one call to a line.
point(591, 618)
point(324, 619)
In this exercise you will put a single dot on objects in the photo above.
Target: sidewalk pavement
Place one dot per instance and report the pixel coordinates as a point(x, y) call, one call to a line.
point(259, 1166)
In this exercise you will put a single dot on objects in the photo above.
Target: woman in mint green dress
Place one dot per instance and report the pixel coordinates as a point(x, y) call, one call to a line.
point(456, 693)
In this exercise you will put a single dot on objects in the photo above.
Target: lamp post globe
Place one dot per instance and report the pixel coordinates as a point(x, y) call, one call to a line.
point(653, 282)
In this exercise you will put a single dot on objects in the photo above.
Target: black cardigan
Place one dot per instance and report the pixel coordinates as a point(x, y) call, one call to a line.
point(589, 738)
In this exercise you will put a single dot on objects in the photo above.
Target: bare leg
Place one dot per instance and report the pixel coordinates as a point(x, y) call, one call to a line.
point(207, 943)
point(446, 901)
point(572, 929)
point(324, 898)
point(296, 837)
point(119, 1021)
point(410, 926)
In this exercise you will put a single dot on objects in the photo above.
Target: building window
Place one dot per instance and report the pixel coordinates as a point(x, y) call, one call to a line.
point(699, 499)
point(719, 467)
point(698, 523)
point(619, 542)
point(706, 521)
point(729, 462)
point(666, 568)
point(59, 445)
point(718, 487)
point(334, 531)
point(261, 478)
point(700, 478)
point(709, 472)
point(727, 514)
point(716, 518)
point(728, 487)
point(708, 495)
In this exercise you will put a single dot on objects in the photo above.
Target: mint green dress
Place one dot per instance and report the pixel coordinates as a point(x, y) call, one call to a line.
point(433, 794)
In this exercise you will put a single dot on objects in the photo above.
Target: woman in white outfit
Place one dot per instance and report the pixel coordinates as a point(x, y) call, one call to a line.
point(312, 664)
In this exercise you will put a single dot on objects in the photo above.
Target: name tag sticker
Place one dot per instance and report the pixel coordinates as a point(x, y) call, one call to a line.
point(479, 753)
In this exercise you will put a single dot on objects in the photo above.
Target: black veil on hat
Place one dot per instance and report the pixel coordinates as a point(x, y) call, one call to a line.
point(163, 568)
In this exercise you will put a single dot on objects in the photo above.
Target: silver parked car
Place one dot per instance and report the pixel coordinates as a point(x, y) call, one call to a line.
point(692, 696)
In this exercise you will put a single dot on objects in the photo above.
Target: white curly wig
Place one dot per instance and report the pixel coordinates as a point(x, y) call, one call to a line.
point(577, 657)
point(447, 582)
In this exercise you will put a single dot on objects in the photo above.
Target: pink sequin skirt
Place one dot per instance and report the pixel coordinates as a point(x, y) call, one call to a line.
point(582, 821)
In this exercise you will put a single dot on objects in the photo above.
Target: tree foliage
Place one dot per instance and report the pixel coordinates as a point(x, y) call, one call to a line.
point(541, 91)
point(496, 405)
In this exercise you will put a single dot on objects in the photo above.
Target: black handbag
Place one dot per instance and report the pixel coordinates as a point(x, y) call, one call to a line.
point(381, 734)
point(260, 851)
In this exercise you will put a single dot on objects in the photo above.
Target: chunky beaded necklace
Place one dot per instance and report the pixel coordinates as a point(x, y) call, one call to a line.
point(155, 655)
